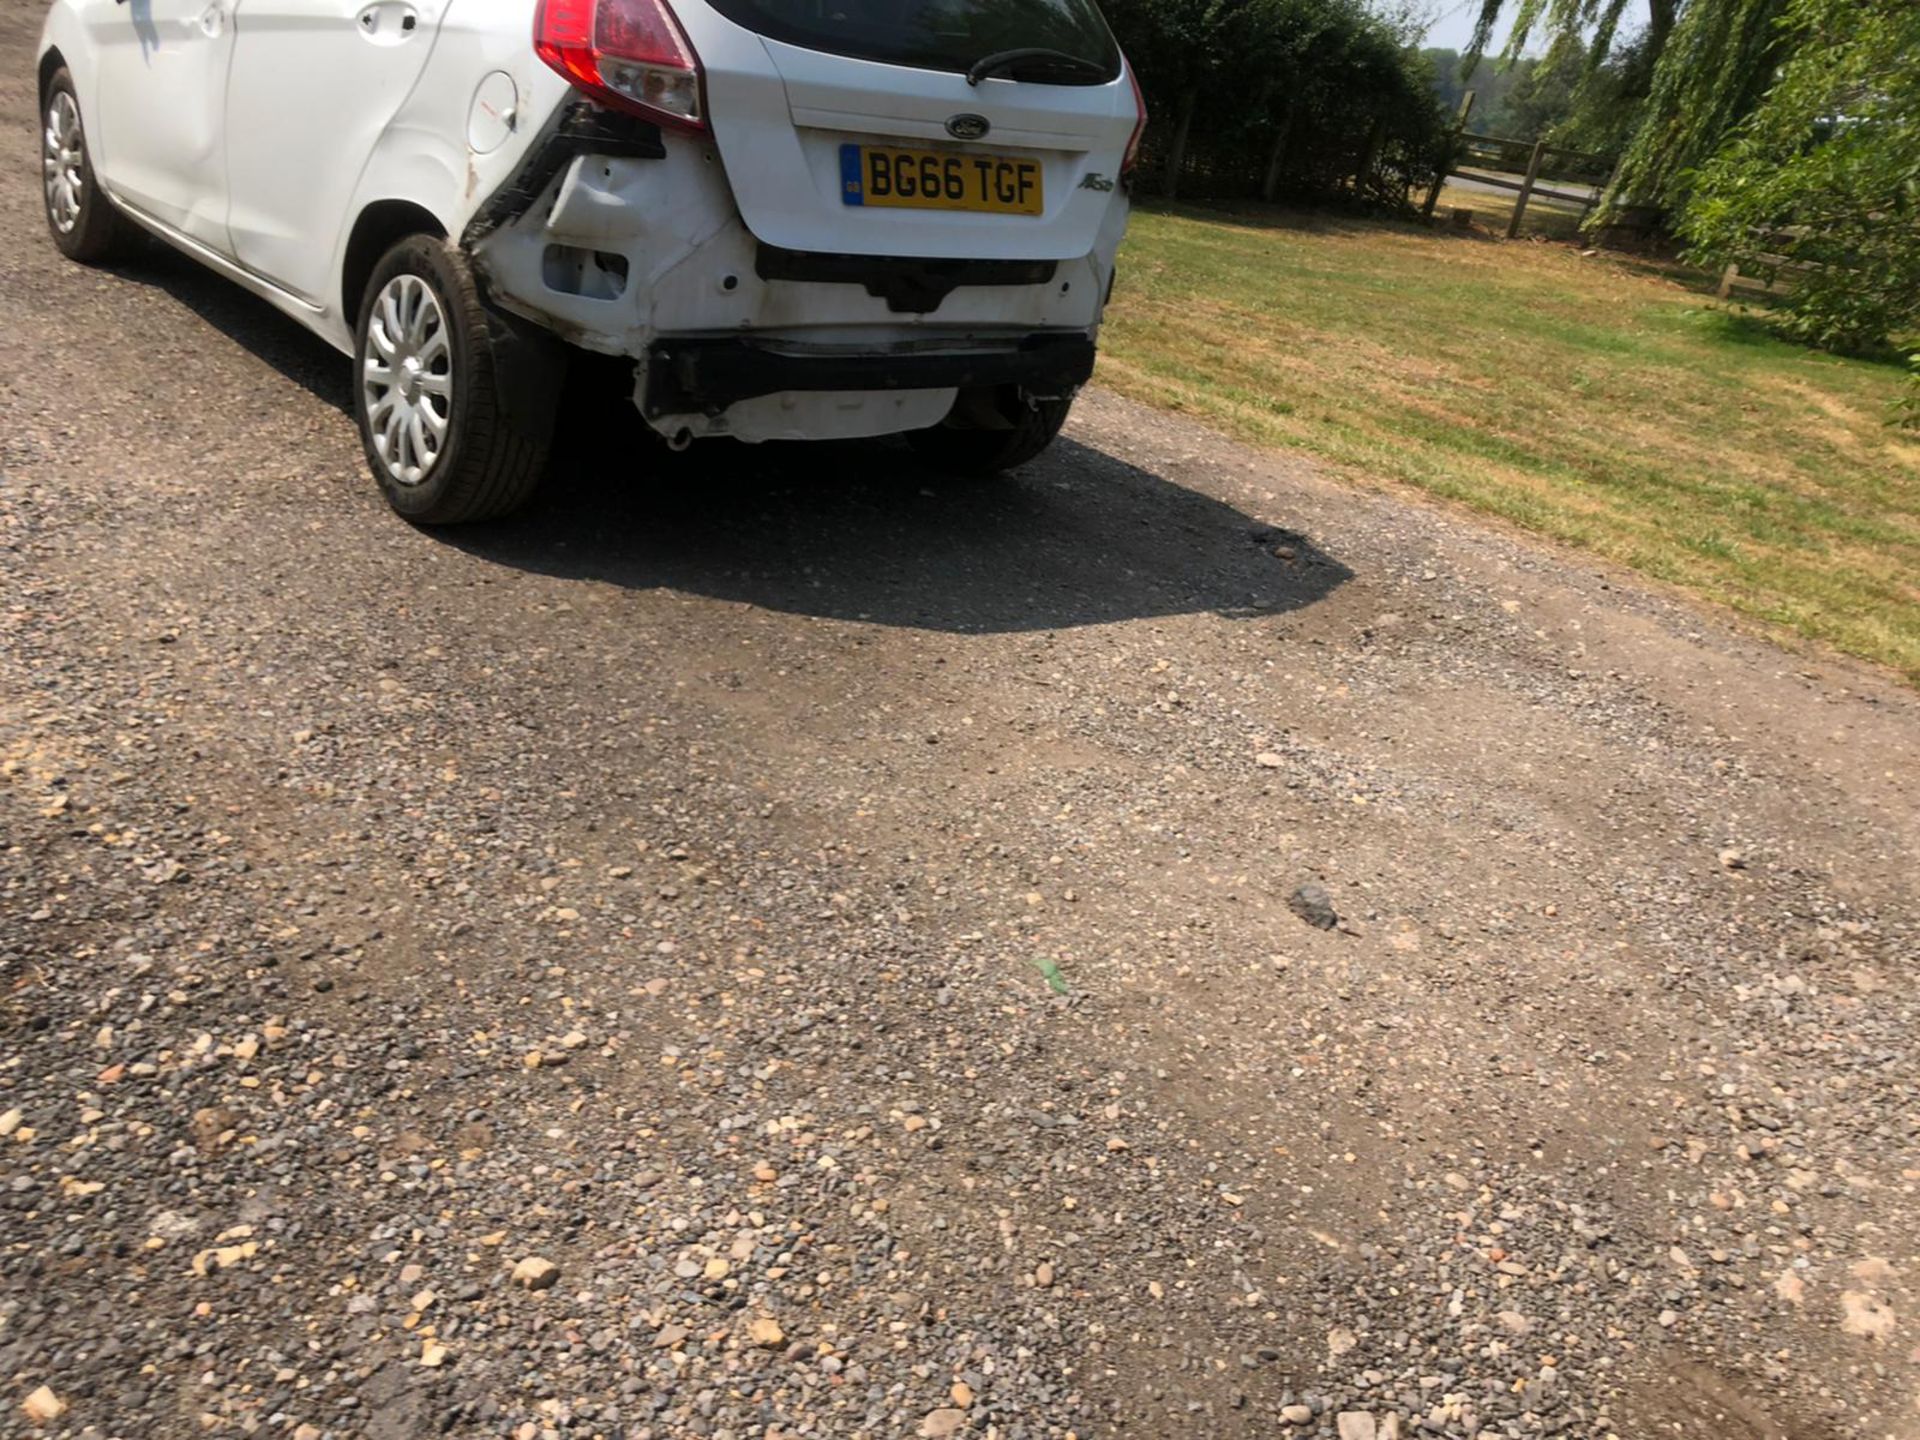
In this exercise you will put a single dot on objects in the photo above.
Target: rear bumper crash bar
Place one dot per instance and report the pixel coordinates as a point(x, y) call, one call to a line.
point(705, 376)
point(909, 285)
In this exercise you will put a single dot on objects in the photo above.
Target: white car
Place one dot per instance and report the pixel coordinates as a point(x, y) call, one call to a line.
point(800, 219)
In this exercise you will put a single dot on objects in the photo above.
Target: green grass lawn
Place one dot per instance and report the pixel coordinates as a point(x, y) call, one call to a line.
point(1601, 401)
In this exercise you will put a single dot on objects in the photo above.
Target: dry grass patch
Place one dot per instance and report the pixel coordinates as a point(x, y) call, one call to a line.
point(1604, 402)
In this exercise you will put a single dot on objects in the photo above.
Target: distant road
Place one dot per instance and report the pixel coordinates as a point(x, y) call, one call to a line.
point(1479, 187)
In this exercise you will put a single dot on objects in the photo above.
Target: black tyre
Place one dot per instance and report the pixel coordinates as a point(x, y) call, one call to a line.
point(443, 445)
point(990, 433)
point(80, 217)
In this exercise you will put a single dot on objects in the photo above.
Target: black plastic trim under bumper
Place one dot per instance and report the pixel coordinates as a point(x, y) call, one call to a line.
point(705, 376)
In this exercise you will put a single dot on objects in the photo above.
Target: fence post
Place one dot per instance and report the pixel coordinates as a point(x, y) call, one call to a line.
point(1447, 157)
point(1526, 188)
point(1727, 277)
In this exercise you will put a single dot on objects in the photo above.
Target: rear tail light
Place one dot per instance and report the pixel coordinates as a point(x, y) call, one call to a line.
point(1132, 158)
point(629, 55)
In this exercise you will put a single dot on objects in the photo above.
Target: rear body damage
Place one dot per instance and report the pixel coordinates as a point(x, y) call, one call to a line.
point(625, 240)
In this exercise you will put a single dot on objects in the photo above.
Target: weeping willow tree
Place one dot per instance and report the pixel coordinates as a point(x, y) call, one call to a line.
point(1720, 59)
point(1618, 73)
point(1702, 66)
point(1569, 20)
point(1826, 173)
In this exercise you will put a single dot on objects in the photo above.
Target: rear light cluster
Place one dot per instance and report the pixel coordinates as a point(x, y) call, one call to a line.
point(628, 55)
point(1131, 160)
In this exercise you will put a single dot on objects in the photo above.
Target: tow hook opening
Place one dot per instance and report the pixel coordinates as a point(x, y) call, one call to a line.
point(1000, 407)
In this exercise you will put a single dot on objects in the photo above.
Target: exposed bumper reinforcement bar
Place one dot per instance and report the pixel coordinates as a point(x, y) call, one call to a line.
point(705, 376)
point(909, 285)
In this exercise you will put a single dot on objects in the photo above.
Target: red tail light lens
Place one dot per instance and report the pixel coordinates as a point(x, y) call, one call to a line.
point(627, 54)
point(1132, 157)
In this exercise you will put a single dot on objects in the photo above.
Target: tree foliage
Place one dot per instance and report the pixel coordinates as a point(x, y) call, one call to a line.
point(1524, 100)
point(1543, 98)
point(1594, 24)
point(1669, 93)
point(1489, 80)
point(1302, 99)
point(1826, 173)
point(1609, 100)
point(1709, 75)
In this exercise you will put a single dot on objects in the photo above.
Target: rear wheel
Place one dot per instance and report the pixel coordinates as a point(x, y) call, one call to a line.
point(443, 446)
point(80, 217)
point(992, 431)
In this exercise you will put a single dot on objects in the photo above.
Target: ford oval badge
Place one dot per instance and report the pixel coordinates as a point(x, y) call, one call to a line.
point(968, 127)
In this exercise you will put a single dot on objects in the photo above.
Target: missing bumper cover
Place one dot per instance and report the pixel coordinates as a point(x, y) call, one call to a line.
point(577, 128)
point(688, 377)
point(911, 285)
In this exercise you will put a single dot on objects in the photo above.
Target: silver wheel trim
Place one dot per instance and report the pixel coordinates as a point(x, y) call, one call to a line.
point(62, 154)
point(406, 379)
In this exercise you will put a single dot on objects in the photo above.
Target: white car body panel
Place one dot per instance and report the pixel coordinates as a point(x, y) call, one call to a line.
point(159, 84)
point(781, 113)
point(423, 157)
point(264, 129)
point(319, 82)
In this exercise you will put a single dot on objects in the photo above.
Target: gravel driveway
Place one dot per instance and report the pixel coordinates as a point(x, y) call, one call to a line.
point(774, 944)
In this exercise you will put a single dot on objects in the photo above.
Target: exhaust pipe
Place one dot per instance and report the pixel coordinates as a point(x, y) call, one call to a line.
point(680, 439)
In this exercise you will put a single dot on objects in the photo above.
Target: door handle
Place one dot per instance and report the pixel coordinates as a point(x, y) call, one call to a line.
point(388, 22)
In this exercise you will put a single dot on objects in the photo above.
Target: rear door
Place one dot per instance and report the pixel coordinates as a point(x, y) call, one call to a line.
point(159, 97)
point(825, 111)
point(313, 86)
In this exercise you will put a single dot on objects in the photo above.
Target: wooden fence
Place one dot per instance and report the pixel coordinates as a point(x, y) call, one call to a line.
point(1769, 270)
point(1543, 167)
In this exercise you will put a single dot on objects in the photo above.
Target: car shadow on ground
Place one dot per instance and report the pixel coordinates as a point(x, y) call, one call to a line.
point(868, 532)
point(250, 322)
point(865, 532)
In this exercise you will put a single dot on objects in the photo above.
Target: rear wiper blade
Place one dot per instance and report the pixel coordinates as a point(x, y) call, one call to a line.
point(1006, 59)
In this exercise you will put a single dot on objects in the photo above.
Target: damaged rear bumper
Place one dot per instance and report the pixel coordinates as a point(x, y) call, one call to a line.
point(630, 244)
point(687, 375)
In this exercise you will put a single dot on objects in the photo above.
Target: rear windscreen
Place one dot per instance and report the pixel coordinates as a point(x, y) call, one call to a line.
point(941, 34)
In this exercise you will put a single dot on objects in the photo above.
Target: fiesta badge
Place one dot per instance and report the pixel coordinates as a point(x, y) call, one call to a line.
point(968, 127)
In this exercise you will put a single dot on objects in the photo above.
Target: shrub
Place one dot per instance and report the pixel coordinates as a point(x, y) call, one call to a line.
point(1295, 99)
point(1826, 173)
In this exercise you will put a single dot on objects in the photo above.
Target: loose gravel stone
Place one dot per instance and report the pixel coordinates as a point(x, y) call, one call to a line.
point(1313, 905)
point(536, 1273)
point(42, 1406)
point(755, 793)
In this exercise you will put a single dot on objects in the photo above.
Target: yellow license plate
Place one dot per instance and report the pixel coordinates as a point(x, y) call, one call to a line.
point(939, 180)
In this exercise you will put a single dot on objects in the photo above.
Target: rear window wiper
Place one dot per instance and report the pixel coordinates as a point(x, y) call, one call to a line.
point(1002, 60)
